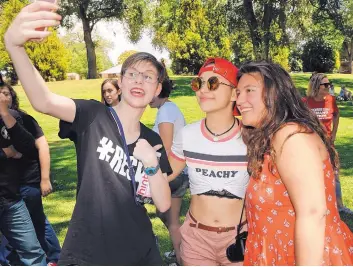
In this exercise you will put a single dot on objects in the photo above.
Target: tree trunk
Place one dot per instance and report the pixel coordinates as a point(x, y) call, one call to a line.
point(350, 56)
point(348, 46)
point(253, 27)
point(91, 53)
point(267, 31)
point(282, 20)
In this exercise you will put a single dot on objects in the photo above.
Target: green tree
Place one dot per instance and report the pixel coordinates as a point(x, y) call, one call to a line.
point(318, 56)
point(78, 62)
point(50, 56)
point(90, 12)
point(191, 31)
point(340, 13)
point(123, 56)
point(272, 26)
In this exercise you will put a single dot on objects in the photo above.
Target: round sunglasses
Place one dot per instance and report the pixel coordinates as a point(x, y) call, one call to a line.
point(212, 83)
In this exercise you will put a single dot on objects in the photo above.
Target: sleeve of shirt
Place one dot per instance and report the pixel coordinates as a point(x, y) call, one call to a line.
point(86, 111)
point(166, 115)
point(154, 139)
point(164, 162)
point(32, 126)
point(177, 147)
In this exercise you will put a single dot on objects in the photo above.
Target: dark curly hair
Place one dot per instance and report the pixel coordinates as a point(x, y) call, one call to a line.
point(283, 105)
point(15, 104)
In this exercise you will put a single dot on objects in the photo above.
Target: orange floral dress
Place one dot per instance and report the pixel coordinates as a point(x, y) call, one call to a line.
point(271, 220)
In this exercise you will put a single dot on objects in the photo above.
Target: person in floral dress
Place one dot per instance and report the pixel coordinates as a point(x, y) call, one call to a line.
point(290, 201)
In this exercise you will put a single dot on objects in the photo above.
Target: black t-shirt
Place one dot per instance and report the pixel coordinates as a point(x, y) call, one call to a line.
point(31, 167)
point(107, 227)
point(10, 170)
point(5, 139)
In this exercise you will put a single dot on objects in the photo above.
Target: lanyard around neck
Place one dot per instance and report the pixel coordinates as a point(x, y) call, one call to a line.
point(126, 150)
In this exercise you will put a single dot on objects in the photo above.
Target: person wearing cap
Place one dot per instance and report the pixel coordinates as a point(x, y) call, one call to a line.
point(215, 155)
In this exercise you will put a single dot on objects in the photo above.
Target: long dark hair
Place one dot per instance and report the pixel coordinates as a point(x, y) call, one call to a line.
point(114, 82)
point(15, 104)
point(284, 105)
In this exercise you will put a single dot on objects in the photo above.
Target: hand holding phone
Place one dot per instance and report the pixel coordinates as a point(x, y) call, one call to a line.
point(31, 24)
point(50, 1)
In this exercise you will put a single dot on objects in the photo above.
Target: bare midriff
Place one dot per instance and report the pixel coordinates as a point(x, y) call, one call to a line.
point(216, 211)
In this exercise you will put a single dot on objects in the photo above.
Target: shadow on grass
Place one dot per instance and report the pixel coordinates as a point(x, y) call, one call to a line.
point(301, 83)
point(338, 82)
point(63, 165)
point(182, 86)
point(346, 109)
point(60, 226)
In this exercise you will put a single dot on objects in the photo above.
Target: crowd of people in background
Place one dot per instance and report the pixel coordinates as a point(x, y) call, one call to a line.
point(265, 187)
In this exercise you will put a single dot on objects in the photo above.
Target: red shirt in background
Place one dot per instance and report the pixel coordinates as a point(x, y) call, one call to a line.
point(324, 110)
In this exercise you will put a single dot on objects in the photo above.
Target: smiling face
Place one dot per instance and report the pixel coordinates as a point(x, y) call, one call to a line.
point(139, 84)
point(221, 98)
point(250, 99)
point(110, 94)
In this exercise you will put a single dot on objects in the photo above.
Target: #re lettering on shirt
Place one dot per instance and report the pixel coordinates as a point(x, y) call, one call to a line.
point(116, 157)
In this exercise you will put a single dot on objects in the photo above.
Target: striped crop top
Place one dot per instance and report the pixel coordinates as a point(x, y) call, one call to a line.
point(212, 166)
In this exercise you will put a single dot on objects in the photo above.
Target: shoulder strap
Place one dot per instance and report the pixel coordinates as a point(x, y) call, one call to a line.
point(240, 225)
point(126, 150)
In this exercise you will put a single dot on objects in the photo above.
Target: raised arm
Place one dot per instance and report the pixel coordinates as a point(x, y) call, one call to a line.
point(22, 29)
point(300, 166)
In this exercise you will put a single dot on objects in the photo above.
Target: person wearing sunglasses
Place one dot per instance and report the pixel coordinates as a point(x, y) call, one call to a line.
point(214, 152)
point(121, 163)
point(325, 107)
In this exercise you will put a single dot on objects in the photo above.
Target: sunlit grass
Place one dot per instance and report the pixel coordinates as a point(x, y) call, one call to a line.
point(59, 205)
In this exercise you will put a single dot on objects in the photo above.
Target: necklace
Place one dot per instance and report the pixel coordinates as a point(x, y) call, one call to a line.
point(215, 136)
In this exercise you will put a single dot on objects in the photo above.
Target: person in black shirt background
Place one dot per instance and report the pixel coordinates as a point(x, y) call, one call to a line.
point(109, 225)
point(34, 183)
point(15, 222)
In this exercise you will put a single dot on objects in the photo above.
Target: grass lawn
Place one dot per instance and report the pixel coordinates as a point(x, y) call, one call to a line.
point(59, 205)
